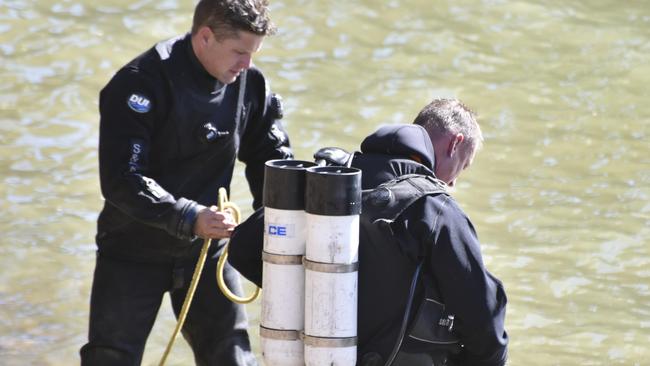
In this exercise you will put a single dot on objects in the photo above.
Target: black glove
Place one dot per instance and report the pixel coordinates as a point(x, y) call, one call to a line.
point(328, 156)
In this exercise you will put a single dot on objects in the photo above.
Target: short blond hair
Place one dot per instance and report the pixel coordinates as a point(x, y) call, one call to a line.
point(450, 116)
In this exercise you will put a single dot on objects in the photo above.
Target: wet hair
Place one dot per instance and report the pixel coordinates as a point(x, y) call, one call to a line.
point(450, 116)
point(226, 17)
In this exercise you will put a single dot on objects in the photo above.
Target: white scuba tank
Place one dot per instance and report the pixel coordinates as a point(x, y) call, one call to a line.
point(282, 318)
point(333, 206)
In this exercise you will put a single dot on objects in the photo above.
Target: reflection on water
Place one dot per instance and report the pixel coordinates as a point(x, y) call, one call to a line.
point(559, 194)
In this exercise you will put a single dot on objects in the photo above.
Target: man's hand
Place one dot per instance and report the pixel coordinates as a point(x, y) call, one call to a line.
point(214, 224)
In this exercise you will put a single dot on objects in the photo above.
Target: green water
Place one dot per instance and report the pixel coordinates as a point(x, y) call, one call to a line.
point(559, 194)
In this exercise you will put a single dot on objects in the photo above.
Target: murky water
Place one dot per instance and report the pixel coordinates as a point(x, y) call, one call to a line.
point(559, 195)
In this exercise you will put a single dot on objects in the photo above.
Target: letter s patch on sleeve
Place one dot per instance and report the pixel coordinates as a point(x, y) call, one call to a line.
point(139, 103)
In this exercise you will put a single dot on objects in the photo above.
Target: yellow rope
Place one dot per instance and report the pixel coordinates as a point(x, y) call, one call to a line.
point(223, 204)
point(224, 288)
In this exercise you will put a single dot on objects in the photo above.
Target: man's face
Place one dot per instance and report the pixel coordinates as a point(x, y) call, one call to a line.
point(453, 155)
point(225, 59)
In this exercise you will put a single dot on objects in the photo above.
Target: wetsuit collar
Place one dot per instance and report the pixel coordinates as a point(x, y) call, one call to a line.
point(204, 80)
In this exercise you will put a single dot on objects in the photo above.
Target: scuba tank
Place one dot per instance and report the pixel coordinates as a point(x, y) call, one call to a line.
point(283, 281)
point(333, 206)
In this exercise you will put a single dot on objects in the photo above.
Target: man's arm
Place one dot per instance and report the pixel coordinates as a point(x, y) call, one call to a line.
point(265, 137)
point(246, 245)
point(469, 291)
point(129, 107)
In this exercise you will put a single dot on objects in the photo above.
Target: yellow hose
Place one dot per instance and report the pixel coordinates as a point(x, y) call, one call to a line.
point(223, 204)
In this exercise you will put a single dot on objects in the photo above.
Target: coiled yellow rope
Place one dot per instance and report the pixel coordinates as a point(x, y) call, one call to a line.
point(223, 204)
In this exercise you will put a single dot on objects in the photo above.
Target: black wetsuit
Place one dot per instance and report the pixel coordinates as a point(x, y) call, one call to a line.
point(433, 231)
point(169, 137)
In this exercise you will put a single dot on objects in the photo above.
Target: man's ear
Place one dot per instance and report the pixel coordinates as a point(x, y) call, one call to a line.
point(205, 33)
point(454, 143)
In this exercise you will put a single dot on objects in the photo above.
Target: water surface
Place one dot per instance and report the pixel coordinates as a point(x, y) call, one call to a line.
point(559, 194)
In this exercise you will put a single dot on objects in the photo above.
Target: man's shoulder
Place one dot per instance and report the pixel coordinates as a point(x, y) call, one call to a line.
point(142, 70)
point(147, 63)
point(392, 198)
point(255, 71)
point(172, 47)
point(444, 210)
point(151, 62)
point(445, 204)
point(255, 77)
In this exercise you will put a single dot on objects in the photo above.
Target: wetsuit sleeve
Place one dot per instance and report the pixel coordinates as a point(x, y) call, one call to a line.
point(246, 245)
point(130, 107)
point(471, 293)
point(265, 138)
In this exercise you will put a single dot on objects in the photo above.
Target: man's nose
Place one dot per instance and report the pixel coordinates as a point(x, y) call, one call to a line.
point(246, 61)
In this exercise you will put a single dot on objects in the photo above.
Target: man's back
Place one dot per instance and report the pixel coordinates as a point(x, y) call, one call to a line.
point(433, 231)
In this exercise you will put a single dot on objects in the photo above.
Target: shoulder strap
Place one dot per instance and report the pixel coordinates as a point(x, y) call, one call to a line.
point(389, 200)
point(240, 97)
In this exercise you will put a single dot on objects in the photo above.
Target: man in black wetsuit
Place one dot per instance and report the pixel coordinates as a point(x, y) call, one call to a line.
point(458, 313)
point(173, 121)
point(419, 256)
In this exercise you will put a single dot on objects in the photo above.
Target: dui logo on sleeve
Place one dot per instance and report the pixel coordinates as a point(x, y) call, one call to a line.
point(139, 103)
